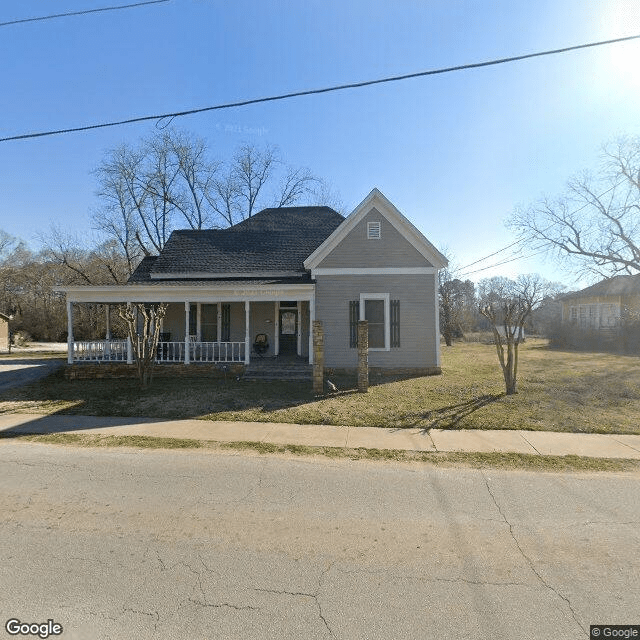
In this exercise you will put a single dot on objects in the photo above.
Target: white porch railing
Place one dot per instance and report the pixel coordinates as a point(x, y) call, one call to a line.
point(217, 351)
point(100, 351)
point(116, 351)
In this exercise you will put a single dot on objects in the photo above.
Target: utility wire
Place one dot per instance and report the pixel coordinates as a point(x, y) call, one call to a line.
point(584, 206)
point(81, 13)
point(342, 87)
point(497, 264)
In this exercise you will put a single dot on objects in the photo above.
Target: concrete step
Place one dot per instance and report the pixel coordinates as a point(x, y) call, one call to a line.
point(273, 370)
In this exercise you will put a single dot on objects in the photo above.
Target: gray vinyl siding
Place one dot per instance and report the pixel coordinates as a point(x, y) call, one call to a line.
point(418, 334)
point(391, 250)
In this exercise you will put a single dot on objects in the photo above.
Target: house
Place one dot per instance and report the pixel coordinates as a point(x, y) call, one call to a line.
point(601, 306)
point(252, 291)
point(4, 332)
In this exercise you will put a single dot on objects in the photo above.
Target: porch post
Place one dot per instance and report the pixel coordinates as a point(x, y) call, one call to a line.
point(198, 320)
point(219, 323)
point(186, 331)
point(129, 344)
point(246, 332)
point(108, 323)
point(312, 317)
point(107, 337)
point(299, 336)
point(69, 332)
point(276, 328)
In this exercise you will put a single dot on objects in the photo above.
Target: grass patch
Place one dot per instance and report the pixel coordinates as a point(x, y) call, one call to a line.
point(87, 440)
point(494, 460)
point(558, 391)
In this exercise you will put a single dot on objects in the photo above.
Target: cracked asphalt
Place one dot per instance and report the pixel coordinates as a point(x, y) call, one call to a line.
point(168, 544)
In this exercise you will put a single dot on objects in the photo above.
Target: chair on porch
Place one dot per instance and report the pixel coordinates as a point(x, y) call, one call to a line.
point(261, 344)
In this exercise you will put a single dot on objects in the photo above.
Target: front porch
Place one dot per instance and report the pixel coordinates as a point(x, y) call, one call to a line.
point(211, 329)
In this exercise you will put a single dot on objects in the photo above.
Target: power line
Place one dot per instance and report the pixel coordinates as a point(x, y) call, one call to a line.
point(82, 13)
point(497, 264)
point(297, 94)
point(584, 206)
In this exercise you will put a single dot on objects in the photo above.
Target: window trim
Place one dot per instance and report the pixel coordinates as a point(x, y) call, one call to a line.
point(387, 317)
point(371, 225)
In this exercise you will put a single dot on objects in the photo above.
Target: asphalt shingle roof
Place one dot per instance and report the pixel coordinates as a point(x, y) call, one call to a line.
point(616, 286)
point(273, 240)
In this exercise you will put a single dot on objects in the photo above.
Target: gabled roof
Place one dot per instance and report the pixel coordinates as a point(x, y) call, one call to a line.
point(378, 200)
point(273, 243)
point(616, 286)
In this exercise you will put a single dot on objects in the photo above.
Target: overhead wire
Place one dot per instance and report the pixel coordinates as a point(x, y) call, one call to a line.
point(297, 94)
point(584, 206)
point(81, 13)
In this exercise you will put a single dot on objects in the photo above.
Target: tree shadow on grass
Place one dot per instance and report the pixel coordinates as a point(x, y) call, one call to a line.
point(451, 416)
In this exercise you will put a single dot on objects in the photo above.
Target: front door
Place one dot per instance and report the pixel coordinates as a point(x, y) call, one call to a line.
point(288, 331)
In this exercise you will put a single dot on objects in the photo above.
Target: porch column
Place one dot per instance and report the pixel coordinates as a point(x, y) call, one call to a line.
point(299, 336)
point(276, 328)
point(129, 345)
point(186, 331)
point(198, 322)
point(69, 332)
point(247, 338)
point(312, 317)
point(219, 323)
point(107, 322)
point(107, 336)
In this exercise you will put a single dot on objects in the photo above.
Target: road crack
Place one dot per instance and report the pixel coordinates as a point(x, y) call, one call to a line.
point(304, 594)
point(528, 559)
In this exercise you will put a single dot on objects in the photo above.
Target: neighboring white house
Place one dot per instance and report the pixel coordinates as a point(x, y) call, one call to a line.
point(600, 306)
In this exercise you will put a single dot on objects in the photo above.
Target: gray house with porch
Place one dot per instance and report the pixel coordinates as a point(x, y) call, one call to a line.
point(252, 291)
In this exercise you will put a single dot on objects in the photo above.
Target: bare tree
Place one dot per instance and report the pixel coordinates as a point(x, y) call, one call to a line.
point(143, 326)
point(171, 181)
point(597, 220)
point(507, 304)
point(104, 263)
point(511, 315)
point(252, 168)
point(455, 298)
point(295, 185)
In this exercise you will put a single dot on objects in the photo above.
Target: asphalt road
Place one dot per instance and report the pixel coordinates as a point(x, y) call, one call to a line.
point(160, 544)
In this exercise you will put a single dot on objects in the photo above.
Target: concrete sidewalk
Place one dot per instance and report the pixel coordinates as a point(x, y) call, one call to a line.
point(436, 440)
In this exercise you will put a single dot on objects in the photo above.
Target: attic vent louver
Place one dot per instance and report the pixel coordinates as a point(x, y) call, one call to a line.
point(373, 230)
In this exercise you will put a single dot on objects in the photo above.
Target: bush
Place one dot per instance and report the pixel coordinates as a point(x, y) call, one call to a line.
point(624, 338)
point(484, 337)
point(20, 338)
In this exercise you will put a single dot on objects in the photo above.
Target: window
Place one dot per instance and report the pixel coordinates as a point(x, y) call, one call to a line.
point(374, 308)
point(209, 322)
point(193, 319)
point(374, 315)
point(373, 230)
point(383, 316)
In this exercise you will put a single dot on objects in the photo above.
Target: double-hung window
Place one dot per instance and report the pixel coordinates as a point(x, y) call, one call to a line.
point(374, 308)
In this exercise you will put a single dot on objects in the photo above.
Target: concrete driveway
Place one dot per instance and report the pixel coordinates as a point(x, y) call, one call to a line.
point(16, 372)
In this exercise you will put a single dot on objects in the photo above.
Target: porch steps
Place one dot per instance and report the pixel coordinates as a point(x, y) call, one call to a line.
point(273, 369)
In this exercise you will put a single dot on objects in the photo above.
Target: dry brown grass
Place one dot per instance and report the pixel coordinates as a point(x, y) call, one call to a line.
point(558, 391)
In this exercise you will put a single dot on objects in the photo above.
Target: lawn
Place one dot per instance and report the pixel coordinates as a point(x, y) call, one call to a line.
point(558, 391)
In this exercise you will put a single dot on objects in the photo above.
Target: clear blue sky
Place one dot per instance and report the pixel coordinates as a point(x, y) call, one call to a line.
point(454, 152)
